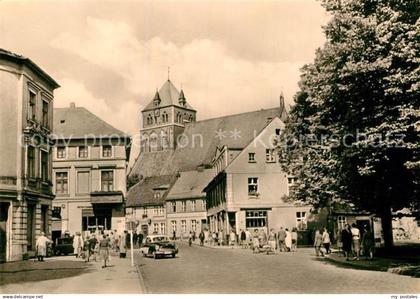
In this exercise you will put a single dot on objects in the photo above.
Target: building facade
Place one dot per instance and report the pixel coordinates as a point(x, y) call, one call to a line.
point(186, 203)
point(249, 188)
point(90, 159)
point(26, 122)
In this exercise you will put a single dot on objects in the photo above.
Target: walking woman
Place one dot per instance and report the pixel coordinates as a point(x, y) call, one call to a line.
point(104, 245)
point(368, 243)
point(256, 242)
point(326, 241)
point(346, 240)
point(318, 243)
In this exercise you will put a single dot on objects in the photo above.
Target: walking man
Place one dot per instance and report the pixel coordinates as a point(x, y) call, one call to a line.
point(355, 233)
point(41, 246)
point(281, 239)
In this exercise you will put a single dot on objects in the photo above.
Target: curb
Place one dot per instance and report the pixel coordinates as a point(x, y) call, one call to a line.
point(143, 288)
point(355, 266)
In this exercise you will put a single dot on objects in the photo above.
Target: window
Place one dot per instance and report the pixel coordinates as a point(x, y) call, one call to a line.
point(203, 202)
point(251, 158)
point(83, 151)
point(183, 226)
point(173, 225)
point(193, 205)
point(155, 228)
point(107, 180)
point(83, 179)
point(145, 212)
point(183, 206)
point(165, 117)
point(178, 118)
point(61, 152)
point(31, 161)
point(291, 183)
point(253, 186)
point(301, 221)
point(193, 225)
point(162, 228)
point(44, 166)
point(255, 219)
point(342, 221)
point(56, 212)
point(270, 156)
point(107, 151)
point(278, 131)
point(61, 182)
point(32, 105)
point(173, 206)
point(45, 114)
point(156, 195)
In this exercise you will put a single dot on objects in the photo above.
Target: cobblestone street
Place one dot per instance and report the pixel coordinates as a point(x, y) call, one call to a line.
point(210, 270)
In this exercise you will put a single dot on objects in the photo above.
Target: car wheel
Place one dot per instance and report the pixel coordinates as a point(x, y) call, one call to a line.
point(173, 255)
point(155, 256)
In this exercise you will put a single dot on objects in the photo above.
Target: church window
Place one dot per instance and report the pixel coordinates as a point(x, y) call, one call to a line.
point(178, 118)
point(153, 142)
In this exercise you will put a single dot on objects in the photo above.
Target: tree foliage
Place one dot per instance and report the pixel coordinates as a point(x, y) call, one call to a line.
point(353, 133)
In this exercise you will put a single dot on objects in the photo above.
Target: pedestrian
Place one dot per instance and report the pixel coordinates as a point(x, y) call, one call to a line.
point(41, 246)
point(232, 238)
point(193, 236)
point(174, 235)
point(201, 237)
point(243, 239)
point(140, 237)
point(104, 245)
point(221, 237)
point(91, 248)
point(123, 245)
point(248, 239)
point(288, 240)
point(355, 233)
point(78, 244)
point(213, 238)
point(318, 243)
point(256, 242)
point(346, 240)
point(281, 236)
point(272, 239)
point(294, 239)
point(190, 238)
point(326, 241)
point(135, 239)
point(368, 243)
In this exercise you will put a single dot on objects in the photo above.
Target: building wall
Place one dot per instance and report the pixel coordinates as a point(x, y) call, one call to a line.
point(16, 190)
point(72, 203)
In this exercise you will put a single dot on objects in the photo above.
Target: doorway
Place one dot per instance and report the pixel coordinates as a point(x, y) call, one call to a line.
point(30, 226)
point(4, 212)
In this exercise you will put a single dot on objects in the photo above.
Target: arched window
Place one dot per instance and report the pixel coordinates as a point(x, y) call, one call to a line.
point(153, 142)
point(191, 118)
point(165, 117)
point(164, 140)
point(178, 117)
point(149, 120)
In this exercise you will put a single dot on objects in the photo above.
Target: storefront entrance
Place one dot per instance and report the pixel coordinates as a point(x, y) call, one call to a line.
point(4, 211)
point(256, 219)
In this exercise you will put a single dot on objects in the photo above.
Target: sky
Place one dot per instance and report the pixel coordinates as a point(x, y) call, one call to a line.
point(108, 56)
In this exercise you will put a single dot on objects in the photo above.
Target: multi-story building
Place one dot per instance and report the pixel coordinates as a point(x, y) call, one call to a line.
point(186, 203)
point(90, 160)
point(249, 188)
point(26, 122)
point(146, 204)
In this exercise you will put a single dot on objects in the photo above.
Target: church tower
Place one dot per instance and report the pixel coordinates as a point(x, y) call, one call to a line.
point(164, 119)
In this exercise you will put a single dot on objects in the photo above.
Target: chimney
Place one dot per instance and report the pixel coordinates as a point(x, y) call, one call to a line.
point(72, 105)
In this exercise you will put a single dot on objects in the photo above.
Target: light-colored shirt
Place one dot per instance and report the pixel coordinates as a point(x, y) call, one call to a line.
point(355, 232)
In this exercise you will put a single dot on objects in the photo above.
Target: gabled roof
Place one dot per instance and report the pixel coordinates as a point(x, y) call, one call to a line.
point(22, 60)
point(190, 184)
point(143, 193)
point(203, 139)
point(169, 96)
point(78, 122)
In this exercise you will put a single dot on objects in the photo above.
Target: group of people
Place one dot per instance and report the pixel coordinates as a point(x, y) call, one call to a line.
point(353, 242)
point(281, 241)
point(322, 240)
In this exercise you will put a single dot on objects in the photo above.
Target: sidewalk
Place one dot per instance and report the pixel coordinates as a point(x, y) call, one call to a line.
point(65, 275)
point(400, 266)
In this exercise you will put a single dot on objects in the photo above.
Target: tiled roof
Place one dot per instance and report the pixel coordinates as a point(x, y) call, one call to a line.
point(7, 55)
point(190, 184)
point(143, 193)
point(168, 95)
point(78, 122)
point(188, 158)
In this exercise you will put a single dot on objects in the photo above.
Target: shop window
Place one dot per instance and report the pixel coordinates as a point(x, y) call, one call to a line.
point(255, 219)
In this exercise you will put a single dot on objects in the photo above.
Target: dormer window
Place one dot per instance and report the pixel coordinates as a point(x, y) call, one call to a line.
point(251, 158)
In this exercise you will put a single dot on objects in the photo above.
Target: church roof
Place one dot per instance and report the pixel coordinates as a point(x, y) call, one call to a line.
point(169, 96)
point(143, 193)
point(78, 122)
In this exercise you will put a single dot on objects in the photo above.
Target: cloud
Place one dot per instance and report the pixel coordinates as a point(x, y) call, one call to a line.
point(211, 75)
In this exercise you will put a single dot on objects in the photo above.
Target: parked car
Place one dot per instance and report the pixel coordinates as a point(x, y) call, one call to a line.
point(63, 246)
point(158, 246)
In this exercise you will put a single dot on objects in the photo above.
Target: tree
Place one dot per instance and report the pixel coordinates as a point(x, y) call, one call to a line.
point(353, 133)
point(132, 180)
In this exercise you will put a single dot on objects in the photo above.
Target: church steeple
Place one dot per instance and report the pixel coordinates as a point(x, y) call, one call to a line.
point(182, 99)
